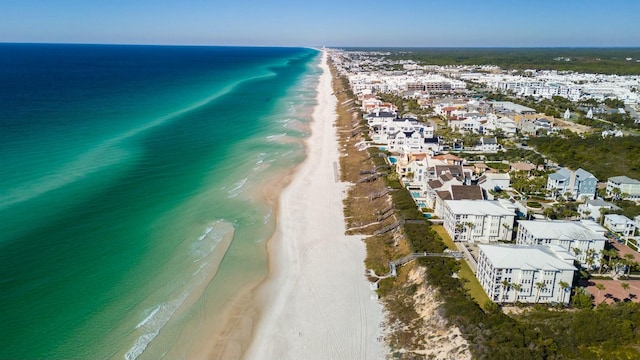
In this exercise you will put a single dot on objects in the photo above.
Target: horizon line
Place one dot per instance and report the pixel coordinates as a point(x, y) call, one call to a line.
point(341, 46)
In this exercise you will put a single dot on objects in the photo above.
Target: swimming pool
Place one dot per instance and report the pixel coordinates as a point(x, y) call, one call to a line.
point(393, 160)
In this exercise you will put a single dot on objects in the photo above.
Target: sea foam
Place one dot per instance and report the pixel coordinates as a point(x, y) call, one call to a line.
point(217, 236)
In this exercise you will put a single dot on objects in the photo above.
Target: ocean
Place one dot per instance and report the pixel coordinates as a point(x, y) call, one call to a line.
point(134, 183)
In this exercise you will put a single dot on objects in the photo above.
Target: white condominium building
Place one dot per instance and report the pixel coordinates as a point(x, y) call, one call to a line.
point(529, 274)
point(477, 220)
point(573, 236)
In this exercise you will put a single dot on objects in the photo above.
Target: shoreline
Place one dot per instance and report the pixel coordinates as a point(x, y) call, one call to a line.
point(315, 300)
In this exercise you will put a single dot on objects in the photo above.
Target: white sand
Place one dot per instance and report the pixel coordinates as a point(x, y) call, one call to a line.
point(316, 303)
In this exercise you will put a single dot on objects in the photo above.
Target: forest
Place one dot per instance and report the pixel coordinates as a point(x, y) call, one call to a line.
point(602, 157)
point(585, 60)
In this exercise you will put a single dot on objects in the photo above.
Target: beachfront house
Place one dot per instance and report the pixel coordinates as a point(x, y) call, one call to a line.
point(579, 184)
point(477, 220)
point(581, 239)
point(528, 274)
point(623, 187)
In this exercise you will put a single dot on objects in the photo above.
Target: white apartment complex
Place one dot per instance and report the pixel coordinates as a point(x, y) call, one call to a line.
point(544, 274)
point(477, 220)
point(581, 239)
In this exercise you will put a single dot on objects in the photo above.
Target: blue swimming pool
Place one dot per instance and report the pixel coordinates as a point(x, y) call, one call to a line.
point(393, 160)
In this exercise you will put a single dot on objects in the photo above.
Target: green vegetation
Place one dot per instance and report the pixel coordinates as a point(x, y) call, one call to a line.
point(534, 204)
point(607, 332)
point(602, 157)
point(498, 166)
point(586, 60)
point(511, 155)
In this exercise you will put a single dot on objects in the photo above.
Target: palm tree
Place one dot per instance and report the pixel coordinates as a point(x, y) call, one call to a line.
point(625, 286)
point(600, 287)
point(459, 227)
point(610, 254)
point(507, 227)
point(589, 258)
point(629, 261)
point(516, 287)
point(539, 285)
point(470, 225)
point(564, 286)
point(616, 193)
point(577, 252)
point(603, 212)
point(505, 285)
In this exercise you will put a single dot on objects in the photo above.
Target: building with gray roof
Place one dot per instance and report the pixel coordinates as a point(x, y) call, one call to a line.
point(577, 184)
point(538, 271)
point(627, 188)
point(574, 236)
point(477, 220)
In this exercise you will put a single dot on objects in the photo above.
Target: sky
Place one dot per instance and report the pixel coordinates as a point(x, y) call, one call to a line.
point(334, 23)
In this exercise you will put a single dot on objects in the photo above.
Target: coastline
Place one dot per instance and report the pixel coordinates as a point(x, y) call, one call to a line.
point(316, 301)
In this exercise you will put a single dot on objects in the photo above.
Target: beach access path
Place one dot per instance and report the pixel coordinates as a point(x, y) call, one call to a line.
point(316, 302)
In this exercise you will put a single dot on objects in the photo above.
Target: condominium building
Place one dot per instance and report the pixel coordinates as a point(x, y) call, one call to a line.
point(477, 220)
point(529, 274)
point(574, 236)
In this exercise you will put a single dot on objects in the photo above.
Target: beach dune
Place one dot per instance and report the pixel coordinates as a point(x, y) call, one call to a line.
point(316, 302)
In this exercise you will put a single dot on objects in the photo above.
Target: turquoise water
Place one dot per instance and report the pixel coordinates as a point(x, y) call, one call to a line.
point(129, 189)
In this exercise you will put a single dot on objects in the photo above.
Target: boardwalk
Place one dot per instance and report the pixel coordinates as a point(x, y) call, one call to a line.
point(393, 265)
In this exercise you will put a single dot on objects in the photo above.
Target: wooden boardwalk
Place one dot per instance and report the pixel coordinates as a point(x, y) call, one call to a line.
point(393, 265)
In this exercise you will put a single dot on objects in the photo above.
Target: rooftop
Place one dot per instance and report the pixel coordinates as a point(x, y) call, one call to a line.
point(466, 192)
point(559, 229)
point(618, 219)
point(623, 180)
point(478, 207)
point(506, 256)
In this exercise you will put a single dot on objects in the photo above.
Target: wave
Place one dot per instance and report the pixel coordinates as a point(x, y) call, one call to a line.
point(149, 317)
point(104, 155)
point(153, 325)
point(207, 251)
point(235, 191)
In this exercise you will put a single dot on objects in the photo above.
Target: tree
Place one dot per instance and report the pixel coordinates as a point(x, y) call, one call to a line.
point(616, 193)
point(603, 212)
point(600, 287)
point(625, 286)
point(609, 254)
point(590, 258)
point(577, 252)
point(564, 286)
point(516, 287)
point(505, 286)
point(539, 285)
point(470, 225)
point(629, 261)
point(507, 228)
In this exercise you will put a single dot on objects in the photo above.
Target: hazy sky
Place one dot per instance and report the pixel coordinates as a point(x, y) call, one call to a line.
point(324, 22)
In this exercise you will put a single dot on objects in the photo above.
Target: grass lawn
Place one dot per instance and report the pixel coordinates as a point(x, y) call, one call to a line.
point(445, 237)
point(470, 281)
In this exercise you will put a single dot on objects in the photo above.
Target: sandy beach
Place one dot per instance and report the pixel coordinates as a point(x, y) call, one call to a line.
point(316, 302)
